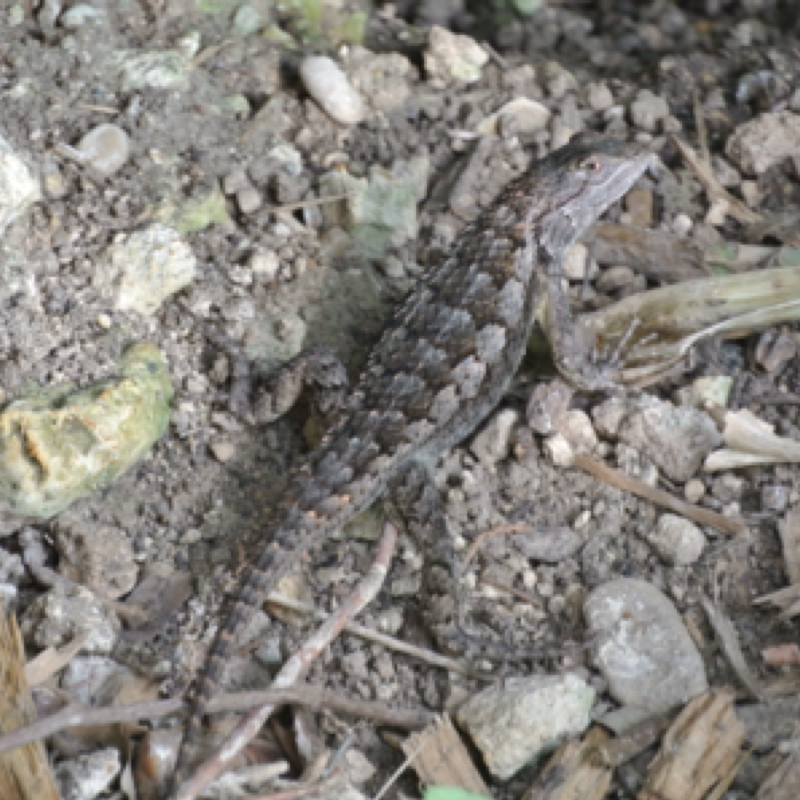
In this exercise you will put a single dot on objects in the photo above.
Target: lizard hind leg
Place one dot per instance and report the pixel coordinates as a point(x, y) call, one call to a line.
point(414, 502)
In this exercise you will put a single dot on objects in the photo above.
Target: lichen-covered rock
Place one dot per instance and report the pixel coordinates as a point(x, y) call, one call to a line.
point(145, 267)
point(61, 445)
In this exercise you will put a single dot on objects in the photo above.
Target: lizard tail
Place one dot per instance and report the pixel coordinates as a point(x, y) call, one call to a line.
point(287, 543)
point(260, 581)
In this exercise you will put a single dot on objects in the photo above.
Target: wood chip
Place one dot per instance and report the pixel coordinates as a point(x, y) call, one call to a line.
point(24, 771)
point(701, 749)
point(439, 757)
point(789, 529)
point(575, 770)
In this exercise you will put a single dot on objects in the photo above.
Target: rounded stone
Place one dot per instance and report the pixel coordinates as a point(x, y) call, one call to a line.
point(329, 86)
point(105, 148)
point(647, 655)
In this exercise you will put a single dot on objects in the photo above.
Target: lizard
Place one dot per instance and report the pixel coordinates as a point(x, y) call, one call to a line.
point(444, 361)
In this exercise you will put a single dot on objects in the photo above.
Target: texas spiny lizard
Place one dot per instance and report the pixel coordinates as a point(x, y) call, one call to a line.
point(442, 364)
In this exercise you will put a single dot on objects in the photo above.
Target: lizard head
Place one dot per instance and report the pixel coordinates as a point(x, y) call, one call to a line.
point(582, 179)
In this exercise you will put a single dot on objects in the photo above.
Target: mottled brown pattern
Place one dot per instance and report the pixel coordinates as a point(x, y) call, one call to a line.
point(442, 364)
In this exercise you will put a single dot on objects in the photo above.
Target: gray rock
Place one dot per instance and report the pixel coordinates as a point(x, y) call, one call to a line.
point(87, 678)
point(265, 265)
point(248, 200)
point(516, 722)
point(576, 262)
point(599, 96)
point(16, 276)
point(518, 117)
point(491, 444)
point(648, 109)
point(551, 545)
point(86, 777)
point(145, 267)
point(157, 69)
point(677, 540)
point(329, 87)
point(676, 439)
point(382, 79)
point(548, 405)
point(764, 141)
point(54, 619)
point(246, 20)
point(97, 556)
point(646, 655)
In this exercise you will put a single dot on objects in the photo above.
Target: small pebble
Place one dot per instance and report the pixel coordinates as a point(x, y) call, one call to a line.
point(774, 498)
point(248, 200)
point(575, 262)
point(223, 450)
point(599, 97)
point(648, 109)
point(615, 278)
point(682, 224)
point(79, 15)
point(329, 86)
point(694, 490)
point(265, 264)
point(105, 148)
point(677, 540)
point(235, 181)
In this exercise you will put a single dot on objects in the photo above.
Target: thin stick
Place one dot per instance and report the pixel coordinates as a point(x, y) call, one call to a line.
point(703, 516)
point(390, 642)
point(295, 668)
point(500, 530)
point(76, 715)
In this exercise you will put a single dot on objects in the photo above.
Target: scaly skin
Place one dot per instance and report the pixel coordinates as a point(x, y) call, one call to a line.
point(443, 363)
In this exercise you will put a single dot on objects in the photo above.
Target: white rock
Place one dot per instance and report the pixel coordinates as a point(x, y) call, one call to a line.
point(576, 261)
point(764, 141)
point(647, 109)
point(329, 86)
point(520, 116)
point(559, 451)
point(86, 777)
point(265, 264)
point(18, 187)
point(453, 58)
point(491, 444)
point(106, 148)
point(79, 15)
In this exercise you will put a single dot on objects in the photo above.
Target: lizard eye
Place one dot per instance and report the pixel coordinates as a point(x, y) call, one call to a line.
point(592, 164)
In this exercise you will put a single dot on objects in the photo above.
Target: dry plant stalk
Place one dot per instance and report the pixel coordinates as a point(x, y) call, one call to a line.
point(701, 749)
point(575, 771)
point(24, 771)
point(750, 441)
point(671, 320)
